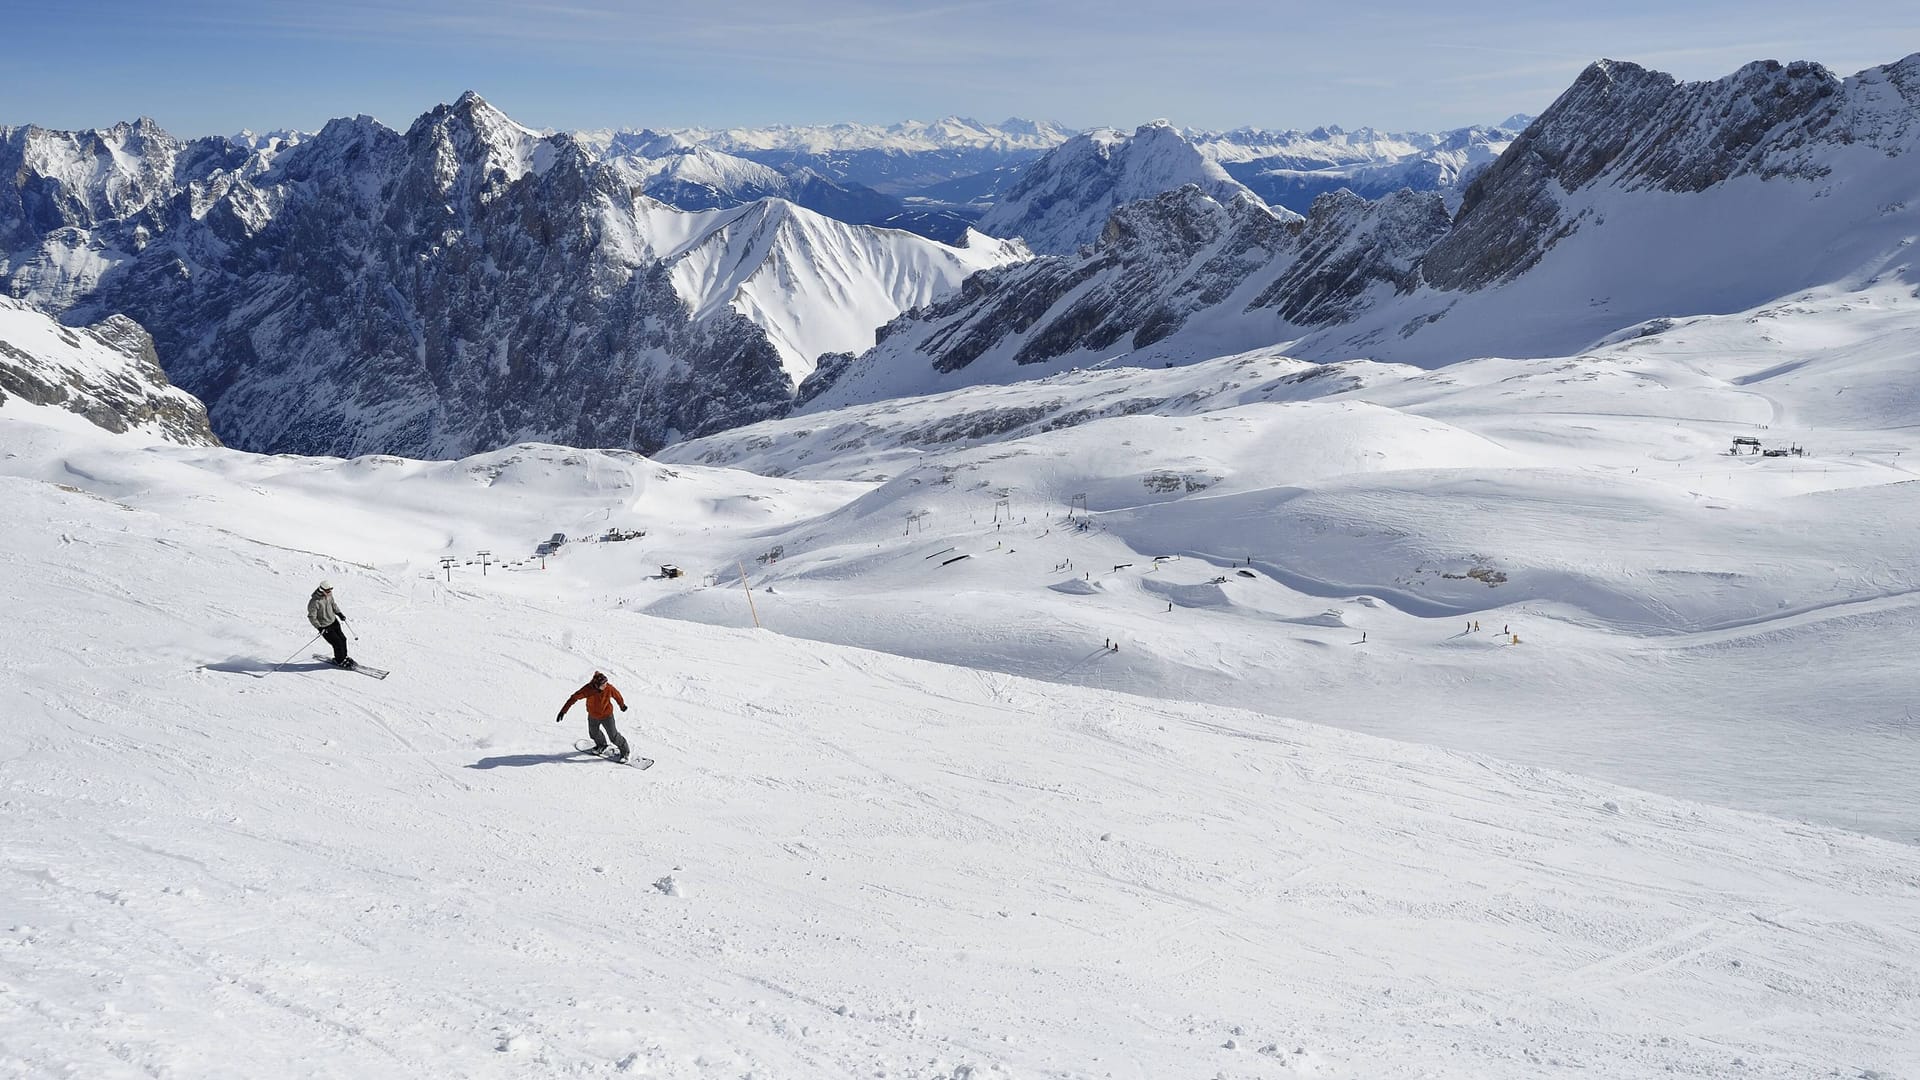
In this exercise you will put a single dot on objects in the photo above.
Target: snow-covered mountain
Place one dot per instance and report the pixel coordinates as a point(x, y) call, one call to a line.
point(1634, 197)
point(813, 284)
point(1063, 200)
point(105, 374)
point(81, 204)
point(466, 284)
point(1173, 279)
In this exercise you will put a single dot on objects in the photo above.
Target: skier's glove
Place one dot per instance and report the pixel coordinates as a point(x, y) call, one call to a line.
point(559, 718)
point(623, 708)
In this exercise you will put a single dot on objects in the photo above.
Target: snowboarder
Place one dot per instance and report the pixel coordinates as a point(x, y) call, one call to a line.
point(327, 618)
point(600, 696)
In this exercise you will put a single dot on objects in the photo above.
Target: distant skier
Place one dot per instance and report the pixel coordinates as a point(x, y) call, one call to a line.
point(327, 618)
point(600, 696)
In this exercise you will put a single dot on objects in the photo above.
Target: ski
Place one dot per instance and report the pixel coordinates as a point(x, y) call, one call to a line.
point(370, 672)
point(586, 747)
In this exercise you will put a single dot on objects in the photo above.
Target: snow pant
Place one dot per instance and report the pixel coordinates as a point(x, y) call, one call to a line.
point(600, 729)
point(336, 637)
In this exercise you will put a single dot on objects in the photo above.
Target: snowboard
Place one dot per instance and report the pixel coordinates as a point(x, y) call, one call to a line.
point(371, 672)
point(635, 761)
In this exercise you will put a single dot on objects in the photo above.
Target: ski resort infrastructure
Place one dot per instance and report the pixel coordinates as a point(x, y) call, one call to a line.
point(1520, 692)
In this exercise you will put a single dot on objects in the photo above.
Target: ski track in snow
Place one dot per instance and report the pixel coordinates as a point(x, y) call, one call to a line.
point(883, 866)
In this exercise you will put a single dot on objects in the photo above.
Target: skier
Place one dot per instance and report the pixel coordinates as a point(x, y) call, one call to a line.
point(327, 618)
point(600, 695)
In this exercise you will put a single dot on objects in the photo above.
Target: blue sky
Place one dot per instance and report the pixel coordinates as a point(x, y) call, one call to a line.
point(212, 66)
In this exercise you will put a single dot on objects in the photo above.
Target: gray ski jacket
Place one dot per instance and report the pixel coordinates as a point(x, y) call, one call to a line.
point(322, 612)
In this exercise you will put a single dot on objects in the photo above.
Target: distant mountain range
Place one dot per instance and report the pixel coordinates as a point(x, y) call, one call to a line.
point(1634, 197)
point(470, 282)
point(1293, 168)
point(937, 178)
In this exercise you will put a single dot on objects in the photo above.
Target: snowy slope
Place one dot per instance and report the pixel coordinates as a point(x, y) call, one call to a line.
point(815, 285)
point(1677, 593)
point(874, 441)
point(237, 870)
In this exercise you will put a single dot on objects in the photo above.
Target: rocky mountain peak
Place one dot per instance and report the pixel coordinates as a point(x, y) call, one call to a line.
point(474, 145)
point(1623, 126)
point(1064, 199)
point(463, 285)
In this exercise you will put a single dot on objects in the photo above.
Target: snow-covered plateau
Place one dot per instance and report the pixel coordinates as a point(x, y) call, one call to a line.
point(1654, 817)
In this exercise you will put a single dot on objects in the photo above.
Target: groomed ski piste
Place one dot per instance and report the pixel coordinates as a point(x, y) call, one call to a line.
point(924, 821)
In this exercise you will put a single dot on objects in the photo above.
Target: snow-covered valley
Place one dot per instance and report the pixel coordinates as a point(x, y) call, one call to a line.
point(1676, 593)
point(925, 822)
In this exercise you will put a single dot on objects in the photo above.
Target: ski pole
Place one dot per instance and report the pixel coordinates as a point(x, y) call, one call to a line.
point(296, 652)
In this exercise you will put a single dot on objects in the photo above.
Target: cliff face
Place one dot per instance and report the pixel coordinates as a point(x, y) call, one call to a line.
point(1624, 127)
point(107, 374)
point(1175, 277)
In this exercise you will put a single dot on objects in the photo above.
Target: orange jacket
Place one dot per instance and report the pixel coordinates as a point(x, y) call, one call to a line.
point(599, 702)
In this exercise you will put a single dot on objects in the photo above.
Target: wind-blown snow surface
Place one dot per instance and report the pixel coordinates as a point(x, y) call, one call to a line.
point(844, 863)
point(1732, 629)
